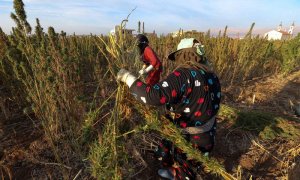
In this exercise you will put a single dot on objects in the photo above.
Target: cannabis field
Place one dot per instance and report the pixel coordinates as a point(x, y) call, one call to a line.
point(64, 116)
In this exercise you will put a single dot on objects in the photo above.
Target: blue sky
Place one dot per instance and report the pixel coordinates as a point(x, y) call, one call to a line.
point(100, 16)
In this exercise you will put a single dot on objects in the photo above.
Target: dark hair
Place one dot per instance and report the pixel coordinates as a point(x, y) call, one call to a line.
point(141, 38)
point(142, 42)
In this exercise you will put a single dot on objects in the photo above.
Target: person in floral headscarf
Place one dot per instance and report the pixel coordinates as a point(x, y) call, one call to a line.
point(191, 94)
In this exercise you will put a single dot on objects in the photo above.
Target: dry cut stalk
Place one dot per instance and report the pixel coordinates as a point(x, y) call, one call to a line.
point(171, 132)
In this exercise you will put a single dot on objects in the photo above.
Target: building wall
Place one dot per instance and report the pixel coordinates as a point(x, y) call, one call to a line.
point(187, 33)
point(273, 35)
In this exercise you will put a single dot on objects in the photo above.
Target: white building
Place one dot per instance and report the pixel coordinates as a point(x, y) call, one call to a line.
point(124, 31)
point(280, 34)
point(181, 32)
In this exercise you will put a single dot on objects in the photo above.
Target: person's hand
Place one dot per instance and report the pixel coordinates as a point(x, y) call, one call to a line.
point(146, 70)
point(126, 77)
point(142, 72)
point(122, 75)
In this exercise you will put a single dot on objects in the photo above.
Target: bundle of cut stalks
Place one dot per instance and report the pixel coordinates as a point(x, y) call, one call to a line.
point(172, 133)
